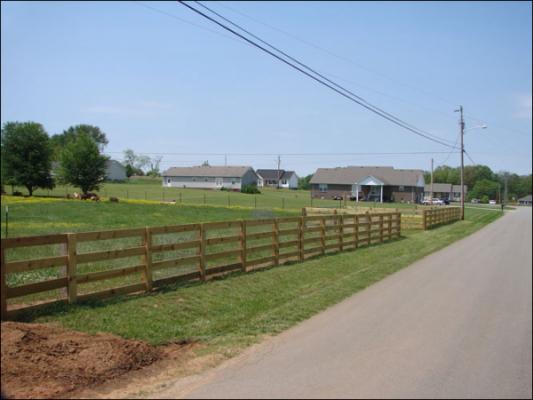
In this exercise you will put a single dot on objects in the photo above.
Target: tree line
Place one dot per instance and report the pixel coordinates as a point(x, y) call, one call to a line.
point(33, 159)
point(482, 182)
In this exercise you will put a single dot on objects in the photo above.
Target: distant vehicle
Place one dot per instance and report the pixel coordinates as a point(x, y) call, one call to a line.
point(474, 201)
point(493, 202)
point(337, 198)
point(447, 202)
point(435, 202)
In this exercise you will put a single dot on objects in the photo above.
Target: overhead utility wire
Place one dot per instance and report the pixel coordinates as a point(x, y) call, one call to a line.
point(370, 108)
point(340, 57)
point(315, 71)
point(289, 154)
point(348, 60)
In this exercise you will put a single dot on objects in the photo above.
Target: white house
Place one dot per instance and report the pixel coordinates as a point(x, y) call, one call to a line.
point(271, 177)
point(210, 177)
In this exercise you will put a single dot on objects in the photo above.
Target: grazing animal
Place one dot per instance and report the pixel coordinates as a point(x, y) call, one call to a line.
point(76, 196)
point(113, 199)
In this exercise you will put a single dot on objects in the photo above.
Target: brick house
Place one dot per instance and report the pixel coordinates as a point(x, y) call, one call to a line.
point(369, 184)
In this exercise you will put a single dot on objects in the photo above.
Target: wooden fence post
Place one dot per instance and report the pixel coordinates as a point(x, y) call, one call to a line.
point(381, 228)
point(399, 224)
point(424, 220)
point(243, 245)
point(356, 231)
point(341, 231)
point(323, 234)
point(201, 249)
point(72, 286)
point(275, 237)
point(369, 227)
point(301, 222)
point(390, 226)
point(147, 273)
point(3, 288)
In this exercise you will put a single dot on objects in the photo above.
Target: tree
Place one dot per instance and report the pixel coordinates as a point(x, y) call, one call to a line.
point(154, 166)
point(26, 156)
point(484, 187)
point(205, 163)
point(82, 165)
point(60, 141)
point(135, 163)
point(303, 183)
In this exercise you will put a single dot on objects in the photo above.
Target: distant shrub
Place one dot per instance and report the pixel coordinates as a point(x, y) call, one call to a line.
point(250, 189)
point(225, 189)
point(484, 199)
point(17, 193)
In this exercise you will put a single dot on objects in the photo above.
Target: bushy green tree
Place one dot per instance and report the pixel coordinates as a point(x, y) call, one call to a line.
point(484, 187)
point(82, 165)
point(26, 156)
point(60, 141)
point(304, 182)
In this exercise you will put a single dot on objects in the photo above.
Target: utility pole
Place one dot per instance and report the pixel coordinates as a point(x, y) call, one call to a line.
point(431, 194)
point(279, 162)
point(462, 126)
point(225, 160)
point(506, 194)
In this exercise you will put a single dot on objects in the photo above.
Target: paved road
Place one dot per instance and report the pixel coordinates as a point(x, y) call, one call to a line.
point(455, 324)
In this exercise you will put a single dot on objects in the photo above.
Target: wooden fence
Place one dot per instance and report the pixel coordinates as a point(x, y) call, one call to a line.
point(438, 216)
point(242, 245)
point(422, 217)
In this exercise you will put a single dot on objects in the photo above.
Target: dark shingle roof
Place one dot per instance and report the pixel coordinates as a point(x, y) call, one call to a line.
point(208, 171)
point(351, 175)
point(272, 174)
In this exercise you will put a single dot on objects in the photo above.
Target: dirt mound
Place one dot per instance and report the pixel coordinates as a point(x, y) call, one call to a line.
point(43, 361)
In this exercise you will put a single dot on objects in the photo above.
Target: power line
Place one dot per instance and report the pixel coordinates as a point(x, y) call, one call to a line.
point(157, 10)
point(314, 71)
point(451, 152)
point(350, 61)
point(340, 57)
point(289, 154)
point(368, 107)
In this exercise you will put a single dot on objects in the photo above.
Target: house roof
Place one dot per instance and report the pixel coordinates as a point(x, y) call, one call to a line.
point(439, 187)
point(525, 198)
point(353, 174)
point(457, 188)
point(208, 171)
point(272, 174)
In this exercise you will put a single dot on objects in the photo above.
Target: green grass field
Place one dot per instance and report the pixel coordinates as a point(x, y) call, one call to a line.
point(152, 189)
point(230, 313)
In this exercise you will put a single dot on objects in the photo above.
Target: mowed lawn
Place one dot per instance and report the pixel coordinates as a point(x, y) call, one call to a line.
point(42, 215)
point(228, 314)
point(152, 189)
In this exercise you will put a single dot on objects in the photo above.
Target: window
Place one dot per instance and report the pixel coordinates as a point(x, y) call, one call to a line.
point(168, 181)
point(323, 187)
point(401, 188)
point(194, 179)
point(284, 182)
point(233, 181)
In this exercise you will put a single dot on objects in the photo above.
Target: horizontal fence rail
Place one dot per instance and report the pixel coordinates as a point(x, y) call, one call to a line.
point(198, 251)
point(421, 217)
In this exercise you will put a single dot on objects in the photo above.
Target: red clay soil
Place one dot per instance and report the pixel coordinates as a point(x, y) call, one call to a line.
point(44, 361)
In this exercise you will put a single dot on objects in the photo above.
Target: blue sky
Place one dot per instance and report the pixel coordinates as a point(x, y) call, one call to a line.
point(158, 84)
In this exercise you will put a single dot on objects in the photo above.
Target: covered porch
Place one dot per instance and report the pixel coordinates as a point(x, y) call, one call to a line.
point(370, 189)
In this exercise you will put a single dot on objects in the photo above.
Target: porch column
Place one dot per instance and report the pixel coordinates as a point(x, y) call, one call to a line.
point(357, 192)
point(381, 195)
